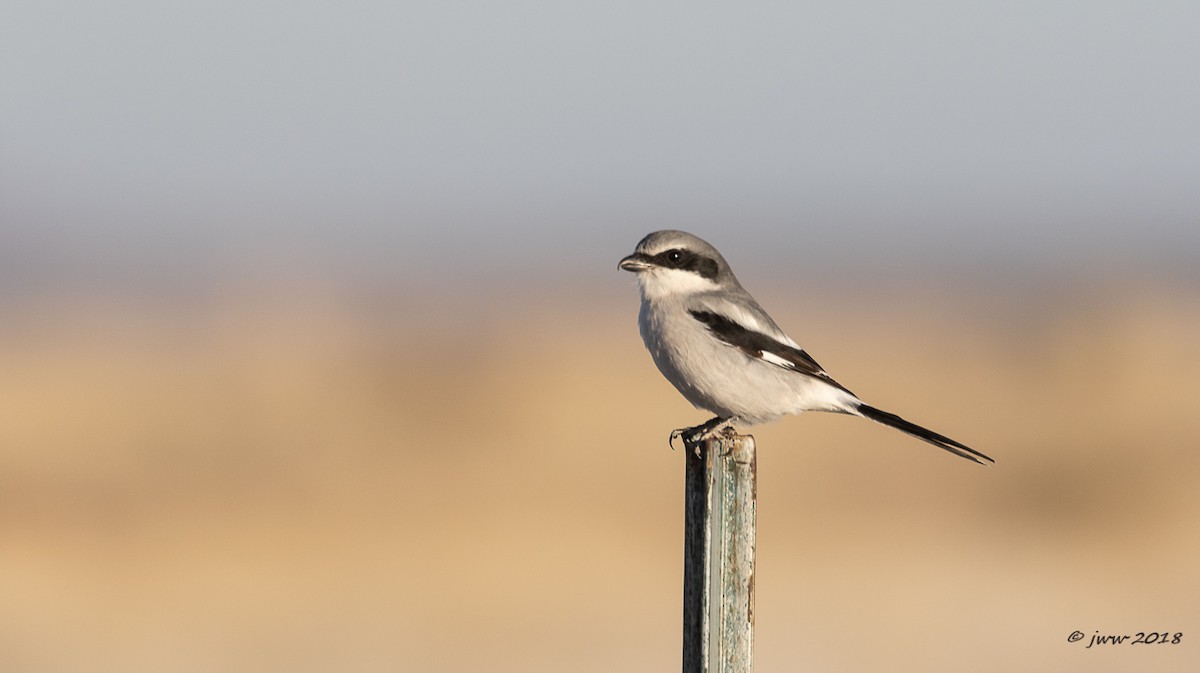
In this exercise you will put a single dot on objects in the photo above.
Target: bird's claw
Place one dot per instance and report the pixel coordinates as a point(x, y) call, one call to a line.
point(695, 435)
point(690, 436)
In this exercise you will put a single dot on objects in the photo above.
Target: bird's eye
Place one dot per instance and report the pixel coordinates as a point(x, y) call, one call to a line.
point(675, 256)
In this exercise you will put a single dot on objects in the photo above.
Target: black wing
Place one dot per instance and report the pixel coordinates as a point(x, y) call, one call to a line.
point(762, 347)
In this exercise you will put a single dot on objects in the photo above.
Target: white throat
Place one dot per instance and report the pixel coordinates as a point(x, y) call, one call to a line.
point(659, 283)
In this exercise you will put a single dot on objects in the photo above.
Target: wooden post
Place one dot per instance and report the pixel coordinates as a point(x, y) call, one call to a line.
point(718, 555)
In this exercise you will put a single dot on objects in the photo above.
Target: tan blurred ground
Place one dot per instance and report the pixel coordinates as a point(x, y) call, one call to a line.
point(298, 482)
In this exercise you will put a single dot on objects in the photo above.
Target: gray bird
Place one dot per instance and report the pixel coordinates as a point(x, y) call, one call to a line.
point(724, 354)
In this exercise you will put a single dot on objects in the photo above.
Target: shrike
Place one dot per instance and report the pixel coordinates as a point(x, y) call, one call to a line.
point(724, 354)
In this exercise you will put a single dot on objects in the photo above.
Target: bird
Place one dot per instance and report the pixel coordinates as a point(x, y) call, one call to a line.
point(726, 355)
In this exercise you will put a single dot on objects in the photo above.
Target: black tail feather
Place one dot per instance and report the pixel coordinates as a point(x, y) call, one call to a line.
point(940, 441)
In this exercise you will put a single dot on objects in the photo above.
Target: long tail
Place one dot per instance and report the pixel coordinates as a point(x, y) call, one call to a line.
point(940, 441)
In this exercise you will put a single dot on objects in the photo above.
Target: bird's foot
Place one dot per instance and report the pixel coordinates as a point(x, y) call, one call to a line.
point(695, 435)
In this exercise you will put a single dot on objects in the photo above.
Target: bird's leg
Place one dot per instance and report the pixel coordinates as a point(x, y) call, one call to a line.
point(697, 433)
point(700, 432)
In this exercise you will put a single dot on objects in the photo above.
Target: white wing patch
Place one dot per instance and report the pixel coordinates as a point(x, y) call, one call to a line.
point(776, 360)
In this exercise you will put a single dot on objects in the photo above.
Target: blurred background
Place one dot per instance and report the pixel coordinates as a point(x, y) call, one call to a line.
point(314, 355)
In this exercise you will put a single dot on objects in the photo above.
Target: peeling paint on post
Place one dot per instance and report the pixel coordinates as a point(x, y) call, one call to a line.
point(718, 557)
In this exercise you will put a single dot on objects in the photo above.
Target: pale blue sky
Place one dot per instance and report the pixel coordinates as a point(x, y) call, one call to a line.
point(142, 139)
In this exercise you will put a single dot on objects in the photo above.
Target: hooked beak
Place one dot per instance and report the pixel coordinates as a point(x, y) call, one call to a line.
point(635, 262)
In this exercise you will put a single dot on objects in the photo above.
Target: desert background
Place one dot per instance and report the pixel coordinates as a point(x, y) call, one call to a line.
point(314, 355)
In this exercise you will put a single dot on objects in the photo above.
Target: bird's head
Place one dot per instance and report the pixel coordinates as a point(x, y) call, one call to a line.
point(676, 263)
